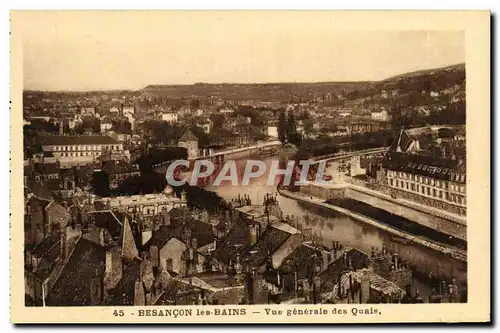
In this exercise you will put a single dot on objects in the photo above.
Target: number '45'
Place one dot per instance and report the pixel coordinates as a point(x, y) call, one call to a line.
point(118, 313)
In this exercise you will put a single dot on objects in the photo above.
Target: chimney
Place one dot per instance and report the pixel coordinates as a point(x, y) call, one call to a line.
point(253, 237)
point(166, 219)
point(101, 237)
point(114, 268)
point(154, 255)
point(96, 289)
point(139, 295)
point(396, 263)
point(365, 288)
point(67, 235)
point(307, 233)
point(238, 267)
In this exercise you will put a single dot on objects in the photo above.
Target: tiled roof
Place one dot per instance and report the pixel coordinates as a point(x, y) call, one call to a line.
point(188, 136)
point(270, 240)
point(62, 140)
point(161, 237)
point(236, 240)
point(358, 258)
point(116, 167)
point(47, 244)
point(199, 230)
point(123, 293)
point(428, 166)
point(45, 190)
point(210, 280)
point(109, 220)
point(72, 287)
point(46, 168)
point(299, 261)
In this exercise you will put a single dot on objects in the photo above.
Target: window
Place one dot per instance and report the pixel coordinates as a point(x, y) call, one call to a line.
point(407, 185)
point(170, 264)
point(391, 181)
point(423, 189)
point(434, 194)
point(397, 183)
point(440, 194)
point(428, 191)
point(447, 196)
point(413, 187)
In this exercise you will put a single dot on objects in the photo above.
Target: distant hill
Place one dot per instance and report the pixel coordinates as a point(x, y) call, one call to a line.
point(256, 91)
point(429, 80)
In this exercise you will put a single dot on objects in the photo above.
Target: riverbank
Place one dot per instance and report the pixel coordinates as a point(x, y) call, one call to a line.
point(455, 253)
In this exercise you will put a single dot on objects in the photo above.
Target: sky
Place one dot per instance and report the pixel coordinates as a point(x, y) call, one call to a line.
point(81, 51)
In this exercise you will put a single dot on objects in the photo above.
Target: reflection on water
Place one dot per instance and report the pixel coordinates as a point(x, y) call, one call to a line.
point(332, 226)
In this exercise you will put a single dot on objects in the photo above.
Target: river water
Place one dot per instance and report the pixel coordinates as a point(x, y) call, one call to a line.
point(332, 226)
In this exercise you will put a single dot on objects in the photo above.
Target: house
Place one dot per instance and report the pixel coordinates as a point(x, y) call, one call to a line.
point(79, 150)
point(225, 109)
point(345, 113)
point(106, 125)
point(382, 115)
point(42, 217)
point(190, 142)
point(272, 131)
point(170, 117)
point(119, 171)
point(147, 204)
point(126, 110)
point(45, 171)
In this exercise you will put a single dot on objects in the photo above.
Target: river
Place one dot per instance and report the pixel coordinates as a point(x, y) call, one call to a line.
point(332, 226)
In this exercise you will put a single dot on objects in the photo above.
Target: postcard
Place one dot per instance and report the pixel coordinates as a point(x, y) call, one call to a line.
point(250, 166)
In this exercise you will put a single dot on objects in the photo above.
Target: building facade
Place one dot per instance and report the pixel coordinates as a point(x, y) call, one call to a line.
point(190, 142)
point(80, 150)
point(423, 179)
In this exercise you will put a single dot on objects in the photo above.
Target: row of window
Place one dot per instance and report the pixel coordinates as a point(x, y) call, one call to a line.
point(426, 180)
point(427, 191)
point(87, 147)
point(78, 154)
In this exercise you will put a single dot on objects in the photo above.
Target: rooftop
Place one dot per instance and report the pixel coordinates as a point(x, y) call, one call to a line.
point(63, 140)
point(188, 136)
point(428, 166)
point(141, 199)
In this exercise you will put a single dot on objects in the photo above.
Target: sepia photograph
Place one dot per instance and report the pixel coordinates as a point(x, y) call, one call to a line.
point(255, 165)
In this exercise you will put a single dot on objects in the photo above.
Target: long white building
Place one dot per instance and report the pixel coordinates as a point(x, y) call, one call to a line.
point(80, 150)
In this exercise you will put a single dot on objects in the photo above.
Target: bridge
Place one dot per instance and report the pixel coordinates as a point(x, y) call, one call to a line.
point(219, 157)
point(346, 155)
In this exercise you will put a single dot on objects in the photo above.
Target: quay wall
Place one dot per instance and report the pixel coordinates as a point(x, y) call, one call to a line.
point(342, 191)
point(447, 227)
point(454, 253)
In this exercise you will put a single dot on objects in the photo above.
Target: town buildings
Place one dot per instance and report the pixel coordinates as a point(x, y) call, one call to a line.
point(190, 142)
point(79, 150)
point(411, 172)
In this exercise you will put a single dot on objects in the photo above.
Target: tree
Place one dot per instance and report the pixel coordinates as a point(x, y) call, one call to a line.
point(282, 127)
point(291, 133)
